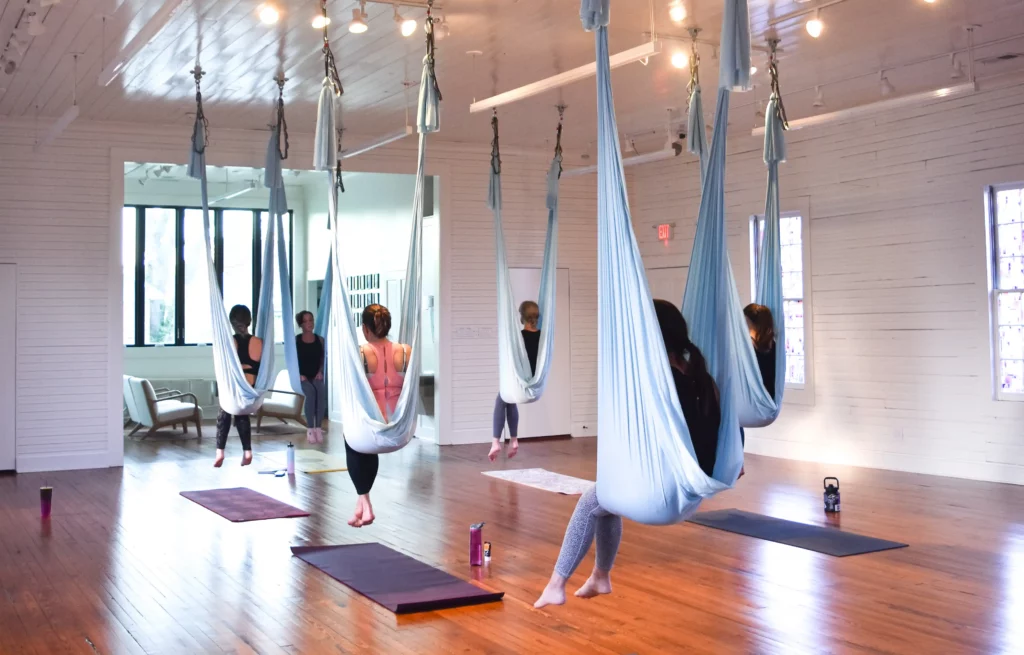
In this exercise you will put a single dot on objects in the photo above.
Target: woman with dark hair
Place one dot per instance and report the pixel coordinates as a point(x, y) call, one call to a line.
point(761, 325)
point(529, 316)
point(385, 363)
point(310, 350)
point(250, 350)
point(698, 396)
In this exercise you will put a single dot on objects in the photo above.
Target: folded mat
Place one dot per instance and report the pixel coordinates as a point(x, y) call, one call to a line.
point(240, 504)
point(829, 541)
point(396, 581)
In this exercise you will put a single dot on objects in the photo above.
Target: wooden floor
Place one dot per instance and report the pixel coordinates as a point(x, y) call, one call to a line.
point(126, 565)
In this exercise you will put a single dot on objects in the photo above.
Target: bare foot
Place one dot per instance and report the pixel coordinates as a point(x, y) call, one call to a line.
point(310, 435)
point(513, 447)
point(598, 583)
point(319, 435)
point(247, 458)
point(367, 510)
point(357, 519)
point(554, 594)
point(495, 449)
point(219, 461)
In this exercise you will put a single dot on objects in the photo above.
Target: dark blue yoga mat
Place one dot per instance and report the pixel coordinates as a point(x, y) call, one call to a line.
point(829, 541)
point(396, 581)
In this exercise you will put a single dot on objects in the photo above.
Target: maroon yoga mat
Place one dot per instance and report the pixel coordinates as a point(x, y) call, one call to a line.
point(240, 504)
point(396, 581)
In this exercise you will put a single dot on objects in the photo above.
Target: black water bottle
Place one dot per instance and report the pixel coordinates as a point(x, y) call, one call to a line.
point(832, 496)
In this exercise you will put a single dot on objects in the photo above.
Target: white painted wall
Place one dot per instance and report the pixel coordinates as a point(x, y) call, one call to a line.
point(60, 221)
point(898, 288)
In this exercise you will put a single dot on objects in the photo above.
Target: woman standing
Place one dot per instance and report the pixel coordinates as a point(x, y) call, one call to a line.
point(310, 350)
point(698, 397)
point(529, 316)
point(385, 363)
point(250, 350)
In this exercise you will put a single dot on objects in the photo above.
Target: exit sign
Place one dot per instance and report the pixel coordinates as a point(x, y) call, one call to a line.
point(664, 232)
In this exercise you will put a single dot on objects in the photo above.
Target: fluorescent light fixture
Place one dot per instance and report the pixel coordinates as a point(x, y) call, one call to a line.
point(235, 194)
point(568, 77)
point(874, 107)
point(657, 155)
point(141, 39)
point(383, 141)
point(58, 127)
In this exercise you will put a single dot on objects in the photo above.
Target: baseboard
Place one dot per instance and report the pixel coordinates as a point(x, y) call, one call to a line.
point(63, 462)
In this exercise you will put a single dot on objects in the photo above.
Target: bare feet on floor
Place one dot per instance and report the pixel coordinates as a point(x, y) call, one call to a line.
point(513, 447)
point(495, 449)
point(598, 583)
point(219, 461)
point(554, 593)
point(247, 458)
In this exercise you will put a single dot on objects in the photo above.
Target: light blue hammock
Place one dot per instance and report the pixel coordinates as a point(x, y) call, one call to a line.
point(362, 422)
point(756, 408)
point(647, 470)
point(517, 383)
point(235, 394)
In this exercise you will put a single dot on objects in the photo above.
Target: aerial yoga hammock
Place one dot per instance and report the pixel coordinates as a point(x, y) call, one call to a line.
point(362, 420)
point(646, 465)
point(755, 407)
point(236, 396)
point(517, 383)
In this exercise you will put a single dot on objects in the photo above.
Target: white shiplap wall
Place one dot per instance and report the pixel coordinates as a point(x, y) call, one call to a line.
point(59, 222)
point(897, 283)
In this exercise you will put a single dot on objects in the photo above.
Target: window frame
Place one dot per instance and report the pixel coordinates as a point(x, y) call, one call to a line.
point(796, 393)
point(179, 263)
point(992, 247)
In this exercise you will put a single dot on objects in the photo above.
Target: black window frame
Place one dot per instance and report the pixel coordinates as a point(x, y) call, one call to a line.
point(217, 216)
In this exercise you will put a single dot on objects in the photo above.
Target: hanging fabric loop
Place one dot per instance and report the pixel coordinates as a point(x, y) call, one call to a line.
point(773, 72)
point(282, 124)
point(694, 60)
point(495, 146)
point(558, 139)
point(326, 141)
point(330, 67)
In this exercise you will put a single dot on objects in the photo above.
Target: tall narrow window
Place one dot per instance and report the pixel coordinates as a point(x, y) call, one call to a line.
point(160, 269)
point(129, 235)
point(285, 276)
point(1006, 218)
point(238, 258)
point(792, 290)
point(198, 327)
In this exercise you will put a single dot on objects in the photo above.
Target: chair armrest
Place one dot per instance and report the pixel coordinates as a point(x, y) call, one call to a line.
point(290, 393)
point(181, 395)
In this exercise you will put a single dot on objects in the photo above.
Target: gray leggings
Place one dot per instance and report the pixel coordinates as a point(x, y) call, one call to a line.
point(503, 411)
point(589, 518)
point(315, 406)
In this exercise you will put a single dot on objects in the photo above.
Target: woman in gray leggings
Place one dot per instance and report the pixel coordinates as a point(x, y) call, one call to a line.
point(698, 397)
point(310, 350)
point(529, 316)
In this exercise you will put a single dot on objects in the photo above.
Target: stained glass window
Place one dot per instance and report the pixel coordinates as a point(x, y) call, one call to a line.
point(792, 290)
point(1008, 282)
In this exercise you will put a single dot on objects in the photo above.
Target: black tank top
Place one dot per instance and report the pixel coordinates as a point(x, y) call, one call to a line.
point(532, 342)
point(249, 365)
point(311, 356)
point(766, 362)
point(703, 418)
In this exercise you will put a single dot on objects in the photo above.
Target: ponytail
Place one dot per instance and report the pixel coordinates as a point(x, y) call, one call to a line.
point(677, 342)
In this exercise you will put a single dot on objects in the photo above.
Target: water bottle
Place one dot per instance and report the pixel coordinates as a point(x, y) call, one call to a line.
point(291, 459)
point(476, 544)
point(832, 496)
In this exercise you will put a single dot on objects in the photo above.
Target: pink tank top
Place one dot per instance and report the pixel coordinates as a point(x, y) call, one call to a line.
point(386, 382)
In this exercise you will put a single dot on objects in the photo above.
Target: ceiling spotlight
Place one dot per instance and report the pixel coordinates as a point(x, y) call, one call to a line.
point(407, 26)
point(358, 24)
point(680, 60)
point(956, 67)
point(441, 28)
point(35, 25)
point(819, 98)
point(321, 22)
point(887, 87)
point(931, 2)
point(269, 14)
point(677, 12)
point(814, 26)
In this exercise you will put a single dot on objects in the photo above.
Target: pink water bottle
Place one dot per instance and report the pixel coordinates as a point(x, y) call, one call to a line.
point(476, 544)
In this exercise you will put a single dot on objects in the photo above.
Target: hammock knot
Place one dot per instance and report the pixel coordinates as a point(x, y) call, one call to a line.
point(594, 14)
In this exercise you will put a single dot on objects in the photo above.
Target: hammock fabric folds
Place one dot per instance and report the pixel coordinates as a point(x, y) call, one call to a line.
point(646, 467)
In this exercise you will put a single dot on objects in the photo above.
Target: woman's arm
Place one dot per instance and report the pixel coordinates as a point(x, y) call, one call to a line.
point(256, 348)
point(403, 352)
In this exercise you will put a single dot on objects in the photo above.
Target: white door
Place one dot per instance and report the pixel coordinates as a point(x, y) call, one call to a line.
point(552, 414)
point(668, 284)
point(8, 297)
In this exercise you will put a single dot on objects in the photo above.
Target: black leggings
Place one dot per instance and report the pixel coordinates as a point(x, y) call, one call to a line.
point(242, 424)
point(362, 469)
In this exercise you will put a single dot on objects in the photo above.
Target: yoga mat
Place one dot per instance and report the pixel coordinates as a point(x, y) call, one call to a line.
point(310, 461)
point(240, 504)
point(544, 480)
point(829, 541)
point(396, 581)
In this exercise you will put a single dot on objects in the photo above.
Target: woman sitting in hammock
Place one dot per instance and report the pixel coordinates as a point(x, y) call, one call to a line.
point(698, 396)
point(762, 333)
point(250, 350)
point(385, 363)
point(529, 316)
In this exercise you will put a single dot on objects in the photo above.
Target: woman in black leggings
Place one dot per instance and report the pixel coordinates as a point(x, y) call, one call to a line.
point(250, 350)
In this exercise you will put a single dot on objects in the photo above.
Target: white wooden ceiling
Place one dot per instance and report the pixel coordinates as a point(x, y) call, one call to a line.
point(521, 41)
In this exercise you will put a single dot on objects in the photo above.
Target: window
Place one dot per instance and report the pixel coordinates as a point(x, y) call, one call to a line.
point(1006, 220)
point(792, 290)
point(278, 312)
point(166, 274)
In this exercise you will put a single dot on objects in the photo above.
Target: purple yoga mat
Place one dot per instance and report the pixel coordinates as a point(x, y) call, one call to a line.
point(240, 504)
point(396, 581)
